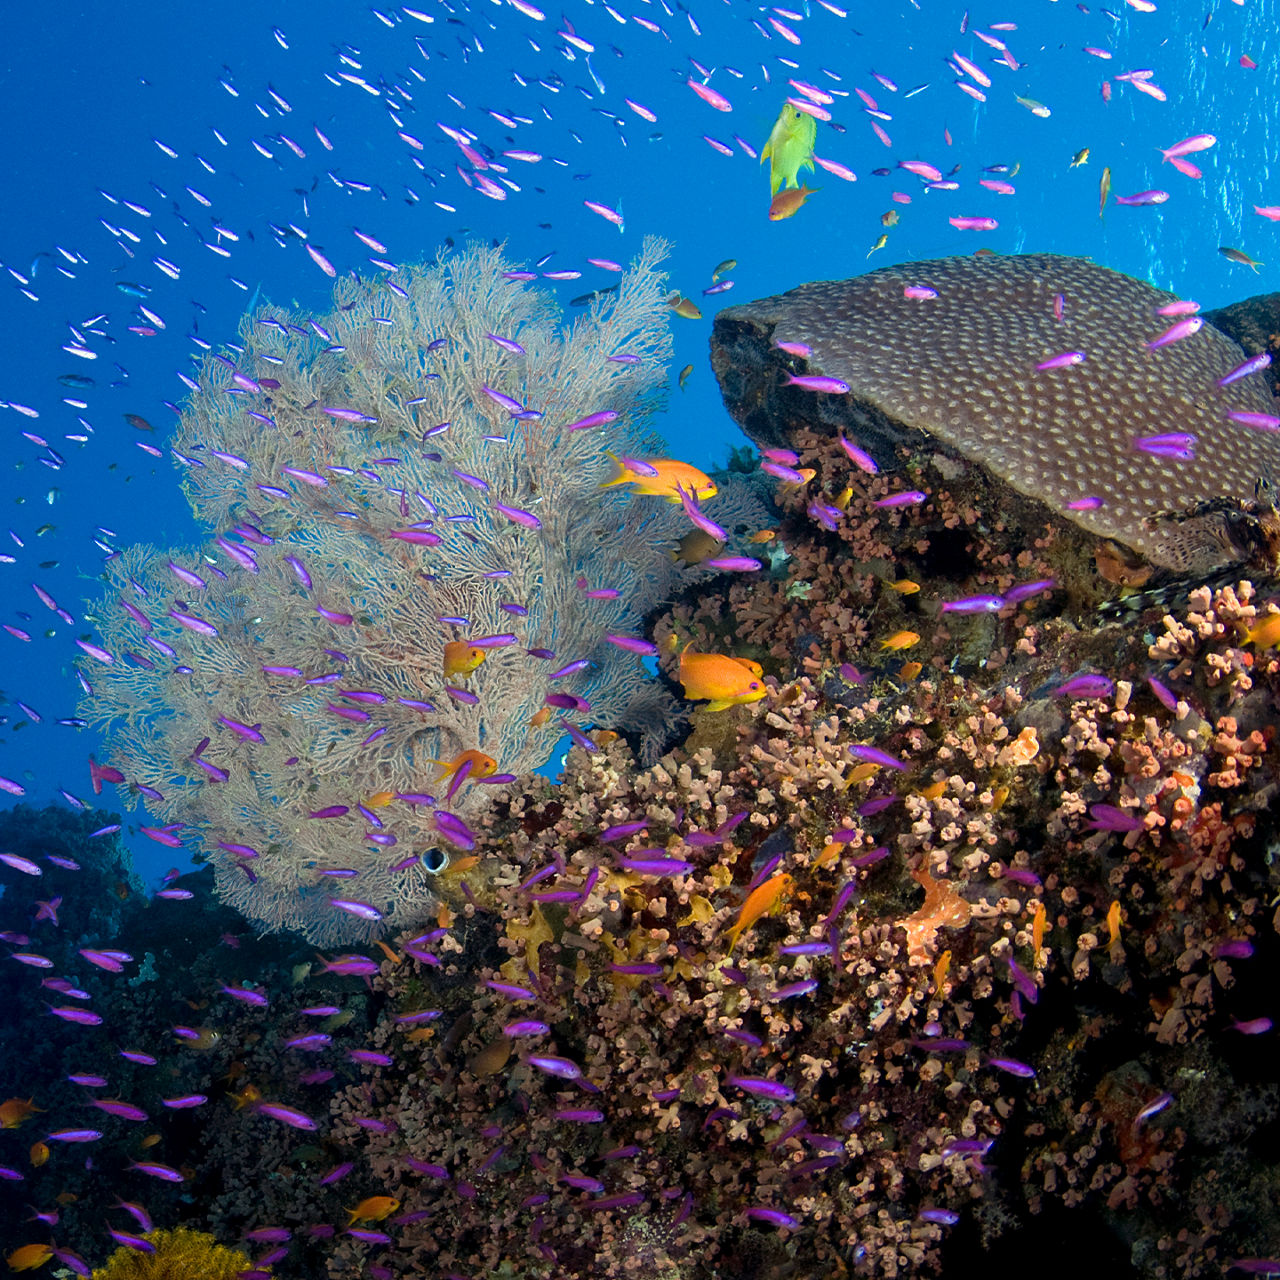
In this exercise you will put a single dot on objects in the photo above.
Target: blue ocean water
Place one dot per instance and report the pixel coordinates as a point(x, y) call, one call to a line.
point(93, 95)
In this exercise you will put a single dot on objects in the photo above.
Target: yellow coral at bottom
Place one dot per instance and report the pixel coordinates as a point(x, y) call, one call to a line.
point(179, 1255)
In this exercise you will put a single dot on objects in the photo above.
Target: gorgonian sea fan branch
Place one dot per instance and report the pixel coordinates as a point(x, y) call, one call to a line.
point(348, 525)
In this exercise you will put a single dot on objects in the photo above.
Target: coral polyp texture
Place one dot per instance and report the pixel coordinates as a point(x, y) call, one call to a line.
point(174, 1255)
point(1060, 377)
point(419, 468)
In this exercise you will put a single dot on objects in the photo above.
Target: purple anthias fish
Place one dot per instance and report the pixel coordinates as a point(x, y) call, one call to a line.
point(816, 382)
point(1086, 686)
point(1252, 365)
point(1175, 333)
point(1171, 444)
point(1106, 817)
point(909, 498)
point(760, 1088)
point(873, 755)
point(974, 604)
point(1063, 361)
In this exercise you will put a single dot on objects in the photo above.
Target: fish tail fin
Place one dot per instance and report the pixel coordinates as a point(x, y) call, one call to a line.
point(620, 472)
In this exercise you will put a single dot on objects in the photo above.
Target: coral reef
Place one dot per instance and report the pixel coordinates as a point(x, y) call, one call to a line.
point(966, 926)
point(1073, 385)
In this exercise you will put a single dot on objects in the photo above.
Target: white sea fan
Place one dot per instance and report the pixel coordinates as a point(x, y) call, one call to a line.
point(317, 451)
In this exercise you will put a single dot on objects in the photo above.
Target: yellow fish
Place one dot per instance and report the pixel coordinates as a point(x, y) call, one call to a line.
point(380, 799)
point(29, 1257)
point(790, 147)
point(940, 971)
point(661, 478)
point(15, 1112)
point(900, 640)
point(725, 681)
point(904, 587)
point(910, 670)
point(1265, 632)
point(1113, 923)
point(1080, 157)
point(374, 1209)
point(786, 202)
point(684, 307)
point(727, 265)
point(1038, 923)
point(761, 900)
point(684, 375)
point(482, 766)
point(39, 1153)
point(1104, 190)
point(461, 658)
point(879, 244)
point(889, 219)
point(860, 773)
point(830, 853)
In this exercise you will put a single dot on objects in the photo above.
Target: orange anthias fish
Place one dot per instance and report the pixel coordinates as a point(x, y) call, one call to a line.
point(374, 1209)
point(29, 1257)
point(900, 640)
point(725, 681)
point(760, 901)
point(1265, 632)
point(661, 478)
point(1113, 923)
point(1038, 922)
point(482, 766)
point(461, 658)
point(15, 1112)
point(787, 201)
point(940, 970)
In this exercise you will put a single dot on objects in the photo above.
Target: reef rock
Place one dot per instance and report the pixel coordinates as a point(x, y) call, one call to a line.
point(941, 359)
point(1255, 324)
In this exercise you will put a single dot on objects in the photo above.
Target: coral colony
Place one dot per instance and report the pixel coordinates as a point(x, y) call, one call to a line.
point(948, 905)
point(414, 585)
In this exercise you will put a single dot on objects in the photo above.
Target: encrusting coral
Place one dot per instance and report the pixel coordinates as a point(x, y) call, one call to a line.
point(181, 1254)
